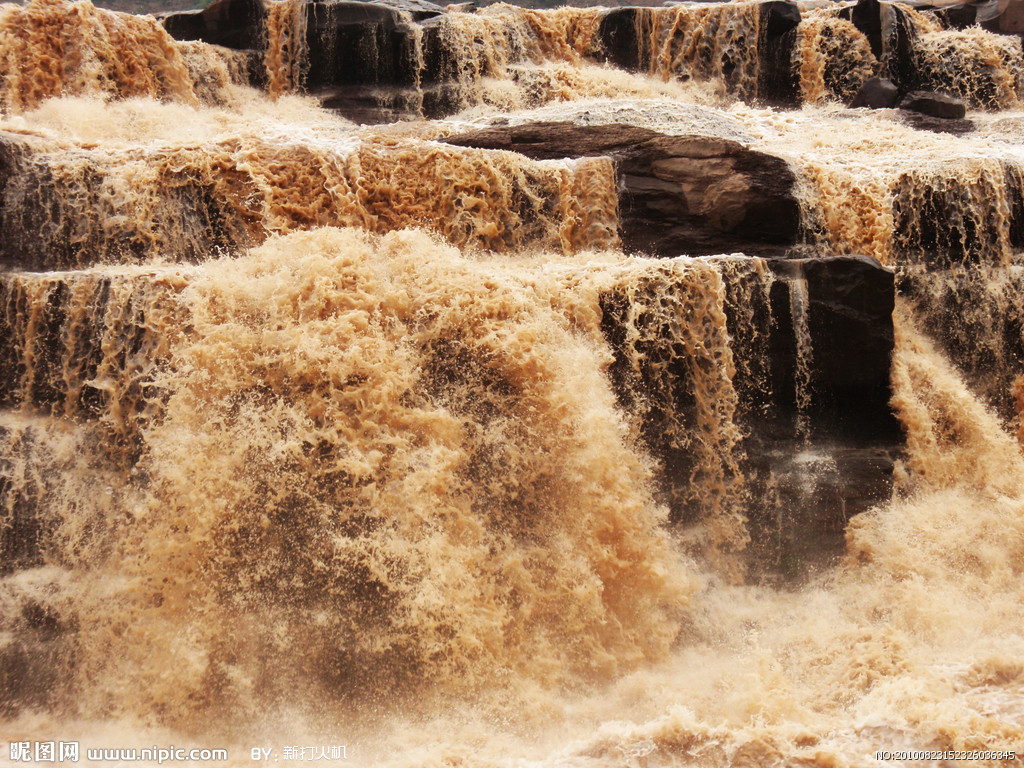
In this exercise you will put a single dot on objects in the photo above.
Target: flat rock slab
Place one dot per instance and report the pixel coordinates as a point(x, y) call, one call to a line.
point(934, 105)
point(680, 195)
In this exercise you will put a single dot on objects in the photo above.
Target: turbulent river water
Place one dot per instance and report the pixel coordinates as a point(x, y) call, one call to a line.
point(345, 468)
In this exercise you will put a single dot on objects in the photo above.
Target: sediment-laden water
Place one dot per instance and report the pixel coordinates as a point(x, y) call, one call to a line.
point(314, 434)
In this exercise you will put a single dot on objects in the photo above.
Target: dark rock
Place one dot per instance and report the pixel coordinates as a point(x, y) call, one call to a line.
point(557, 140)
point(959, 16)
point(923, 230)
point(944, 218)
point(934, 104)
point(623, 42)
point(890, 33)
point(375, 61)
point(937, 124)
point(778, 18)
point(21, 532)
point(876, 93)
point(809, 461)
point(696, 195)
point(851, 297)
point(826, 302)
point(899, 59)
point(358, 44)
point(61, 336)
point(821, 438)
point(866, 16)
point(238, 24)
point(806, 497)
point(778, 80)
point(32, 668)
point(419, 10)
point(622, 37)
point(679, 194)
point(184, 25)
point(957, 237)
point(381, 61)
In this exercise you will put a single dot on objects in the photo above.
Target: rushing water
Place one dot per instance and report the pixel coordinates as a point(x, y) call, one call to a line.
point(314, 424)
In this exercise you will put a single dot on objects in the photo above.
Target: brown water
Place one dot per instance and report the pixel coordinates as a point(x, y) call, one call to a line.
point(340, 463)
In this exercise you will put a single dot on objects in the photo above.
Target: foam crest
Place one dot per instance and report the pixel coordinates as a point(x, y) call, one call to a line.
point(383, 461)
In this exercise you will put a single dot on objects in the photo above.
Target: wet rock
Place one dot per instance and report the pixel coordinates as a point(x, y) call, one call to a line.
point(821, 438)
point(238, 24)
point(946, 217)
point(957, 239)
point(21, 532)
point(866, 16)
point(778, 80)
point(389, 59)
point(899, 58)
point(811, 341)
point(383, 60)
point(890, 33)
point(37, 643)
point(961, 16)
point(778, 18)
point(31, 669)
point(876, 93)
point(934, 105)
point(850, 297)
point(362, 58)
point(937, 124)
point(625, 35)
point(679, 194)
point(622, 38)
point(810, 308)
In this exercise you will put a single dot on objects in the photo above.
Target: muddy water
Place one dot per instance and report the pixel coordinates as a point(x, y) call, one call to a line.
point(355, 475)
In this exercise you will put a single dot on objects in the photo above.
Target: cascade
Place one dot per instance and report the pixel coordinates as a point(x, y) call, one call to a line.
point(833, 56)
point(481, 386)
point(798, 306)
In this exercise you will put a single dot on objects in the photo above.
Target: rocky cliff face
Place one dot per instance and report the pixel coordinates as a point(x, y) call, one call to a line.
point(379, 61)
point(808, 337)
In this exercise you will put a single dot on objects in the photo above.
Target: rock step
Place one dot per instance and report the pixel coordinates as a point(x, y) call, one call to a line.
point(74, 343)
point(84, 347)
point(693, 195)
point(818, 437)
point(381, 60)
point(188, 203)
point(676, 194)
